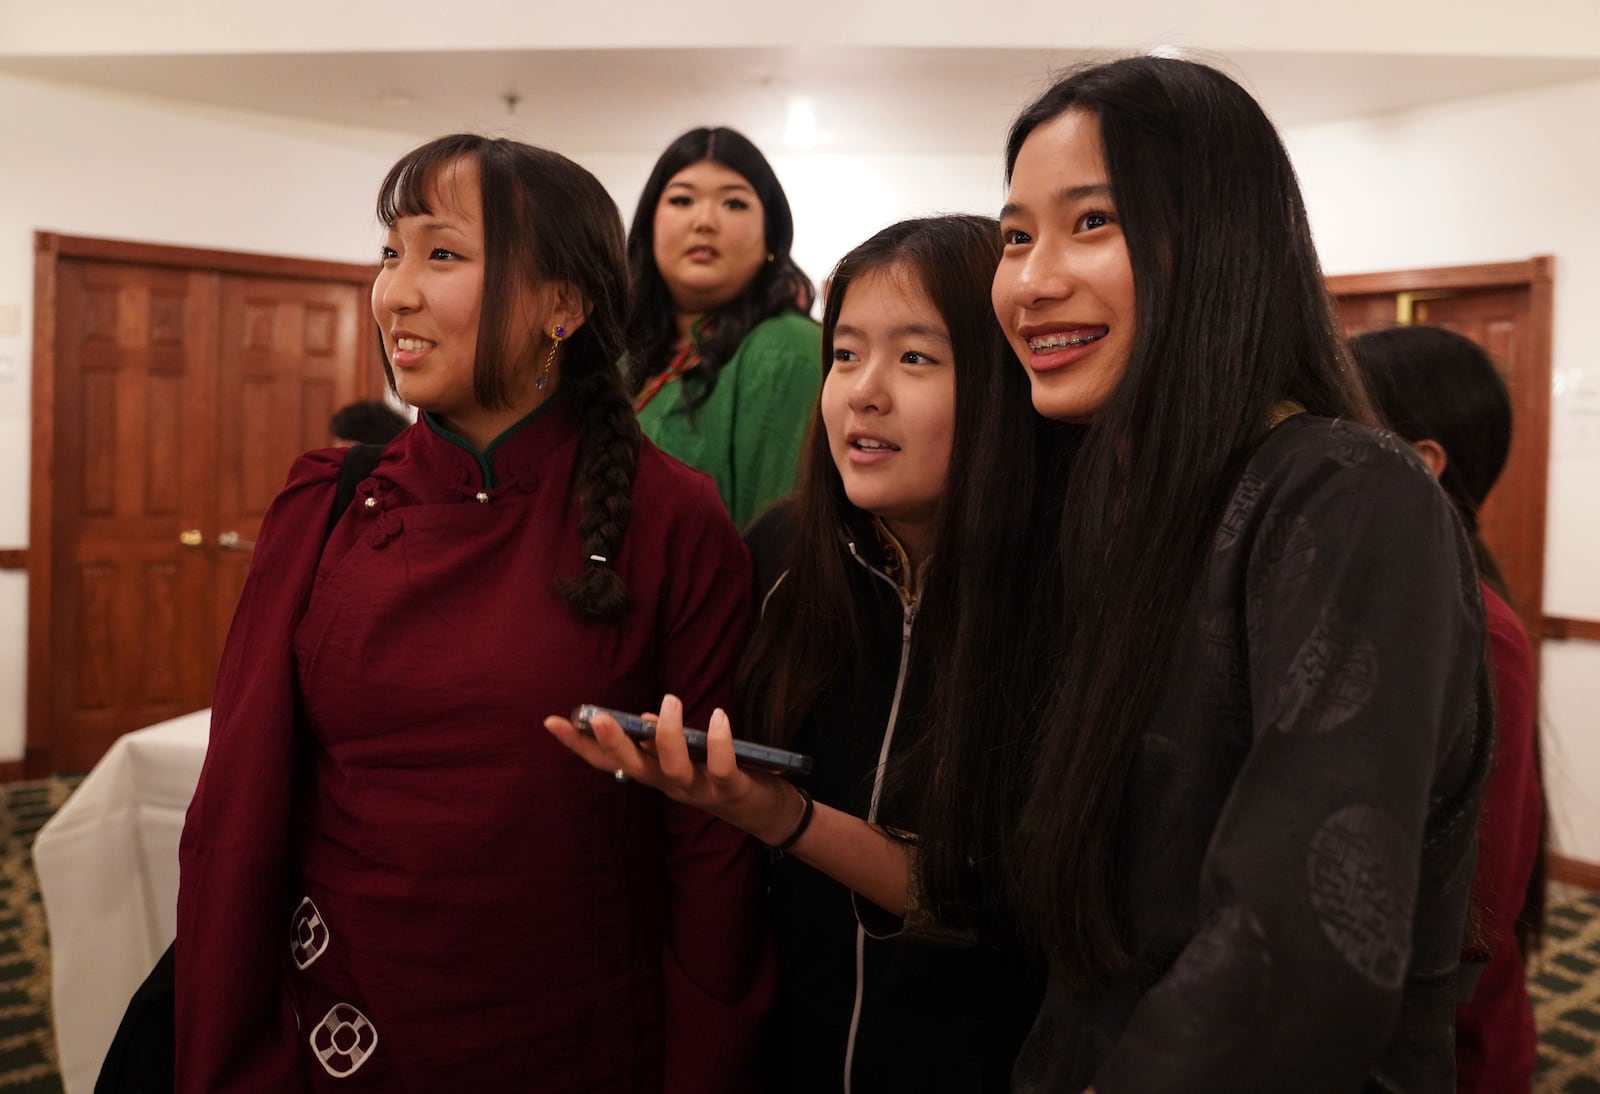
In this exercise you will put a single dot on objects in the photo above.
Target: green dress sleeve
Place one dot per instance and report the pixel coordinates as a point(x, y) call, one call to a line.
point(778, 374)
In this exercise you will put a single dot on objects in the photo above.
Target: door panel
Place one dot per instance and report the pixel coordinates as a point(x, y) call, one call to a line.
point(129, 638)
point(287, 349)
point(1512, 519)
point(287, 360)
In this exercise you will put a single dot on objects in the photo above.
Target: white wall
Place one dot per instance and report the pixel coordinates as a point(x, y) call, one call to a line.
point(1492, 180)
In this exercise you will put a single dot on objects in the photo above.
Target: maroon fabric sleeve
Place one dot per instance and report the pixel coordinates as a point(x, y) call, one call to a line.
point(1496, 1046)
point(1508, 831)
point(235, 1028)
point(718, 967)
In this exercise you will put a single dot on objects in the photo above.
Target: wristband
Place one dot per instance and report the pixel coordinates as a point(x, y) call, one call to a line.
point(806, 811)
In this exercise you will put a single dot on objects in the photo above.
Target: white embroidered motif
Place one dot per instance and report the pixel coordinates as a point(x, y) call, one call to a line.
point(343, 1040)
point(308, 934)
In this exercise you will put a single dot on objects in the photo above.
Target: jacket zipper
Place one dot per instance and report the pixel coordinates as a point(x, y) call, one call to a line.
point(908, 606)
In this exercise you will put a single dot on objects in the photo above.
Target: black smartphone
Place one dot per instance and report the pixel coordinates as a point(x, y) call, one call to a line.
point(779, 761)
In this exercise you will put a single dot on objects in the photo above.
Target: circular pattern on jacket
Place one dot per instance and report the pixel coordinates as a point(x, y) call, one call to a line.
point(1352, 445)
point(1362, 892)
point(1288, 551)
point(1281, 564)
point(1332, 678)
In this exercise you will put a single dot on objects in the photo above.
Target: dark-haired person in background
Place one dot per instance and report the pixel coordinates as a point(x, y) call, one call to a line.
point(723, 361)
point(1441, 392)
point(391, 878)
point(369, 421)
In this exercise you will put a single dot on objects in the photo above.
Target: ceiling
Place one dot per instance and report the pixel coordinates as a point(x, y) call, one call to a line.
point(631, 101)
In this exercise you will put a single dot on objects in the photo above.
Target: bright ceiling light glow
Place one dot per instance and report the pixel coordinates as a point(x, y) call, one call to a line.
point(801, 132)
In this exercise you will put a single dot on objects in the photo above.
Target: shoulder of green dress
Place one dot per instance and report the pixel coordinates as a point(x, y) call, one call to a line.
point(787, 338)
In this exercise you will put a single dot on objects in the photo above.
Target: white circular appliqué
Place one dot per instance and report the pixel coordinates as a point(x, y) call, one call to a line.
point(308, 934)
point(343, 1040)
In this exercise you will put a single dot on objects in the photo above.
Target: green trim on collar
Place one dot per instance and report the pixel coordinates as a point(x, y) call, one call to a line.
point(695, 329)
point(486, 457)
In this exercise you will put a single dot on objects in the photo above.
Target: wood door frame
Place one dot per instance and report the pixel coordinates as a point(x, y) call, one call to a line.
point(50, 248)
point(1537, 275)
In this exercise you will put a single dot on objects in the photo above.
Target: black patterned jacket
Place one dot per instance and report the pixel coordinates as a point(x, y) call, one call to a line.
point(1297, 839)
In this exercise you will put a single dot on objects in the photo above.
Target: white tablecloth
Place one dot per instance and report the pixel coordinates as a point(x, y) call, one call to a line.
point(108, 873)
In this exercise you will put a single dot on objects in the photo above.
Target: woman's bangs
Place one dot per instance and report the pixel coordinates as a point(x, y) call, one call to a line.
point(405, 191)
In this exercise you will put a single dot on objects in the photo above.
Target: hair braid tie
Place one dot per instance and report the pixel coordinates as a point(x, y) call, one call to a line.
point(607, 460)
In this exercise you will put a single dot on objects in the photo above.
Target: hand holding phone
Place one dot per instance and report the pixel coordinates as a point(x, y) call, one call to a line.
point(778, 761)
point(725, 783)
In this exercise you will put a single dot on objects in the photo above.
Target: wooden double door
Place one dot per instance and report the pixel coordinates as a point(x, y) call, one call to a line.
point(179, 386)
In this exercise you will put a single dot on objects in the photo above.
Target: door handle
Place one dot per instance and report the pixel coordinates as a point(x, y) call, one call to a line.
point(230, 541)
point(191, 537)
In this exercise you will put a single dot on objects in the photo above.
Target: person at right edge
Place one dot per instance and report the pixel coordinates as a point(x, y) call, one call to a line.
point(1440, 392)
point(723, 363)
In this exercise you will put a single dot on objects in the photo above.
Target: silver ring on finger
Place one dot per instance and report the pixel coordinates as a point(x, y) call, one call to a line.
point(620, 775)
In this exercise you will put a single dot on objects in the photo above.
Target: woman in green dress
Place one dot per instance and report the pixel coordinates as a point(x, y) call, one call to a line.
point(723, 361)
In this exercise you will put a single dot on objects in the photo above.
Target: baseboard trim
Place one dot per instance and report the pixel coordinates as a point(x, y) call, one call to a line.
point(1571, 871)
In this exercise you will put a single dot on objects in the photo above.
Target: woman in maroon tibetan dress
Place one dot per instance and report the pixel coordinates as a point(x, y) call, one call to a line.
point(392, 878)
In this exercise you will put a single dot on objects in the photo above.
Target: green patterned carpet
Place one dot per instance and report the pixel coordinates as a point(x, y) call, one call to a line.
point(27, 1043)
point(1565, 981)
point(1565, 986)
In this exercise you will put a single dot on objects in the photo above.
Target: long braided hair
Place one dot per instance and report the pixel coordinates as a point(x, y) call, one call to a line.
point(547, 220)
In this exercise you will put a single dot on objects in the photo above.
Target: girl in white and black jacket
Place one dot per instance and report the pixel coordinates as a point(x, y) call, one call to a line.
point(868, 1001)
point(910, 531)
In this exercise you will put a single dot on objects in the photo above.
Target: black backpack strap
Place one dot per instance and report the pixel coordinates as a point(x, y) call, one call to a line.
point(359, 462)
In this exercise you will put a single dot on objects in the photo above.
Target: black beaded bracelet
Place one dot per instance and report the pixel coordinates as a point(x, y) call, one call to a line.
point(809, 807)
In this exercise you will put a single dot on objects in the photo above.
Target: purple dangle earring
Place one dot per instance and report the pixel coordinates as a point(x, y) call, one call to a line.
point(542, 381)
